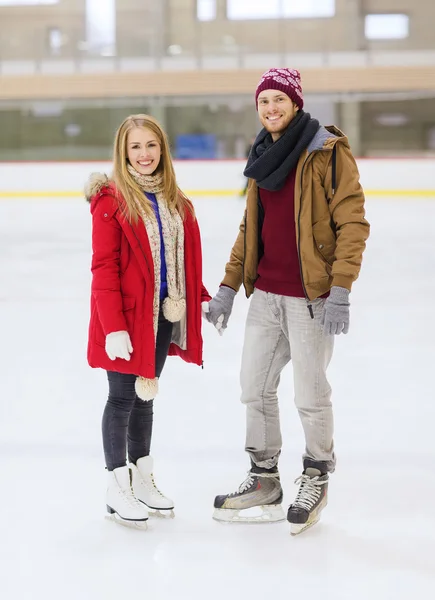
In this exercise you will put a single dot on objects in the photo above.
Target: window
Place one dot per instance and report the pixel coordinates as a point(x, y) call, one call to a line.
point(206, 10)
point(101, 27)
point(55, 41)
point(392, 119)
point(386, 27)
point(238, 10)
point(26, 2)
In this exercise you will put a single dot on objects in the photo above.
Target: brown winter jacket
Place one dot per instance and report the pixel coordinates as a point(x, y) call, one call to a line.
point(331, 230)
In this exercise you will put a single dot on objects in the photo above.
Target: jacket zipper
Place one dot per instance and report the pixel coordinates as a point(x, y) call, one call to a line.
point(309, 305)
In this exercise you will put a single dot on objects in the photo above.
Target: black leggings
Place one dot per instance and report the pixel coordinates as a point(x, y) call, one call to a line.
point(127, 418)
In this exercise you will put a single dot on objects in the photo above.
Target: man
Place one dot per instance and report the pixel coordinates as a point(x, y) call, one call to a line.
point(298, 252)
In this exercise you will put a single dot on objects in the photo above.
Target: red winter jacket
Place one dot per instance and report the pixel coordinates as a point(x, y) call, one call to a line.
point(123, 287)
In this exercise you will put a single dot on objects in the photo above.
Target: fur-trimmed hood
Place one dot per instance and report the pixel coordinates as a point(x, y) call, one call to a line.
point(96, 183)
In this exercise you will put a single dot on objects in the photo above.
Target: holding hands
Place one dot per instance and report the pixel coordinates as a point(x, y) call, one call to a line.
point(218, 310)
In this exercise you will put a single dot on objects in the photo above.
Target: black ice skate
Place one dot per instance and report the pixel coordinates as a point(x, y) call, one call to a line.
point(311, 498)
point(258, 499)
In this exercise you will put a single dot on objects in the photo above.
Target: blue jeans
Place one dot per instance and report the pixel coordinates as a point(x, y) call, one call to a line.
point(128, 420)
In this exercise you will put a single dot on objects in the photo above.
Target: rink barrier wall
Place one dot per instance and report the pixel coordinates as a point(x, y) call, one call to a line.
point(397, 177)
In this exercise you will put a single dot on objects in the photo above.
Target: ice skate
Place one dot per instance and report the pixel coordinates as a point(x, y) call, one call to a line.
point(258, 500)
point(123, 507)
point(147, 492)
point(311, 499)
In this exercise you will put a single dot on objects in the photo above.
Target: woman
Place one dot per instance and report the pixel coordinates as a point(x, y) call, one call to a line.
point(146, 301)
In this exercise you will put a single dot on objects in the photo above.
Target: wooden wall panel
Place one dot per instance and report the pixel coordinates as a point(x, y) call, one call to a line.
point(188, 83)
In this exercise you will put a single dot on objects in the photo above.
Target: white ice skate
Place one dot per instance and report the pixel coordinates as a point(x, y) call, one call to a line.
point(123, 507)
point(147, 492)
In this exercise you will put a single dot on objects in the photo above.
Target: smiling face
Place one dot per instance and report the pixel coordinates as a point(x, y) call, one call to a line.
point(275, 110)
point(143, 150)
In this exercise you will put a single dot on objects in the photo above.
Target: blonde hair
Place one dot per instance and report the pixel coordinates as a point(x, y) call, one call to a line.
point(127, 187)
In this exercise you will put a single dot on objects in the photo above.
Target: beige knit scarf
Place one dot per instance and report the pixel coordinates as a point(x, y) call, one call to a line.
point(174, 306)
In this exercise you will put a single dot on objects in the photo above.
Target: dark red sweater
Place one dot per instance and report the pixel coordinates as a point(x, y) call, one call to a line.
point(278, 269)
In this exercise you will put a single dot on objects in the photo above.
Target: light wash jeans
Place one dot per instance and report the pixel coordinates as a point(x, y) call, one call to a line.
point(280, 329)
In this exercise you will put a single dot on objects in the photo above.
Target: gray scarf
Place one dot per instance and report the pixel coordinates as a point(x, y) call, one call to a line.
point(269, 162)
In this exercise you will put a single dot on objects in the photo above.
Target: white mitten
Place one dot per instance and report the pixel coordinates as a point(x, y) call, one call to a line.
point(118, 345)
point(205, 308)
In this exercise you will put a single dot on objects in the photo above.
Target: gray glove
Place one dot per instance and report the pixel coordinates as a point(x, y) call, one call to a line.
point(220, 307)
point(335, 318)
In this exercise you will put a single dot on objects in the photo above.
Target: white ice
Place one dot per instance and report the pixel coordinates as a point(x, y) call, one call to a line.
point(376, 539)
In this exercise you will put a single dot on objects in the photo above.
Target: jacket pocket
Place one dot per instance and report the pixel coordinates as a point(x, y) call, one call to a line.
point(325, 241)
point(97, 334)
point(128, 308)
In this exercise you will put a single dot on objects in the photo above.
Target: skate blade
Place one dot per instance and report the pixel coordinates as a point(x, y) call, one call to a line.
point(115, 518)
point(160, 513)
point(297, 529)
point(272, 513)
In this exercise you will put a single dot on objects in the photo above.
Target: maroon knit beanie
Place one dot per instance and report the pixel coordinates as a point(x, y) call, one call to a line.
point(285, 80)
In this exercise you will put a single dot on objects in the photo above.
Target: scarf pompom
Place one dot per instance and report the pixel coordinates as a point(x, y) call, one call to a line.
point(174, 310)
point(146, 389)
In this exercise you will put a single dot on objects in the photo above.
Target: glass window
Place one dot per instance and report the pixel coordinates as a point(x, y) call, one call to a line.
point(101, 27)
point(276, 9)
point(55, 41)
point(206, 10)
point(386, 27)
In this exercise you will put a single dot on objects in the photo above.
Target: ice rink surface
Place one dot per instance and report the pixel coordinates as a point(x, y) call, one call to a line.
point(376, 539)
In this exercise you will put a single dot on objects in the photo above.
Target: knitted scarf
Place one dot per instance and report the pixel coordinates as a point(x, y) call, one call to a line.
point(174, 306)
point(269, 162)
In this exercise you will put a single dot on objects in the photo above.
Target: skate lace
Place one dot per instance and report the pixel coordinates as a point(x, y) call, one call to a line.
point(250, 480)
point(151, 484)
point(309, 491)
point(129, 497)
point(245, 485)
